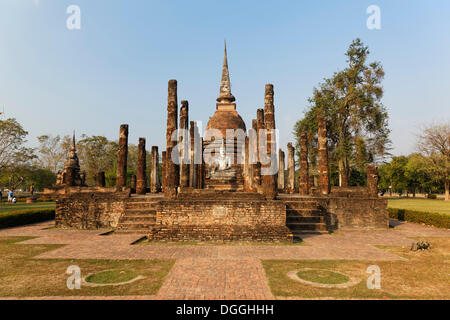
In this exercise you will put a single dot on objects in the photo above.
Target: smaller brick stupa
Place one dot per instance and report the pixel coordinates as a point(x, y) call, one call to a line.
point(72, 174)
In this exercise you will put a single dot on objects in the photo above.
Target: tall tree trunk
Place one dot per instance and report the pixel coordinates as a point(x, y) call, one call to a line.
point(343, 172)
point(343, 161)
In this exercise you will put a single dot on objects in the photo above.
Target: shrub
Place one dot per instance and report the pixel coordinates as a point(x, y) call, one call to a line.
point(429, 218)
point(22, 217)
point(431, 196)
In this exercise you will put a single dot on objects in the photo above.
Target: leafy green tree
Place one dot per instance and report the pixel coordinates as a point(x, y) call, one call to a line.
point(24, 176)
point(412, 174)
point(13, 151)
point(397, 175)
point(40, 178)
point(96, 153)
point(416, 174)
point(384, 181)
point(357, 121)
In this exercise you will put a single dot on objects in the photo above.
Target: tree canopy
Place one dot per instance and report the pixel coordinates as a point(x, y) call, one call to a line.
point(357, 121)
point(13, 151)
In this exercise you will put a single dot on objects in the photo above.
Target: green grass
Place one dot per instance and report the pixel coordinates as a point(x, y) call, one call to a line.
point(422, 275)
point(23, 276)
point(111, 276)
point(425, 205)
point(322, 276)
point(9, 207)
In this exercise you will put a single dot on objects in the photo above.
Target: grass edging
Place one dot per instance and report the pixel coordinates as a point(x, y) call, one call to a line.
point(23, 217)
point(429, 218)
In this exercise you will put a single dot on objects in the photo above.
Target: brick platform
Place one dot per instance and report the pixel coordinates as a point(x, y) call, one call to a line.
point(219, 215)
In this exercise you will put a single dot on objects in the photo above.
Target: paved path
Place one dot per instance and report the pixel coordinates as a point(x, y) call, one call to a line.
point(206, 278)
point(221, 271)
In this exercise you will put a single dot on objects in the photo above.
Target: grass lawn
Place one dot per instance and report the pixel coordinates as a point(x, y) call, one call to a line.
point(427, 205)
point(23, 276)
point(111, 276)
point(322, 276)
point(425, 275)
point(8, 207)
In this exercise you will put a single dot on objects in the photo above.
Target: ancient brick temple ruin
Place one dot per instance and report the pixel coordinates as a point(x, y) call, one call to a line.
point(71, 175)
point(217, 187)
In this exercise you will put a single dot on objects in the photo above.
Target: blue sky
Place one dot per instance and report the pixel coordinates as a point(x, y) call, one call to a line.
point(115, 69)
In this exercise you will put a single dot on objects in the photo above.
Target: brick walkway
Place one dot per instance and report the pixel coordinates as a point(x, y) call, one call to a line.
point(203, 278)
point(221, 271)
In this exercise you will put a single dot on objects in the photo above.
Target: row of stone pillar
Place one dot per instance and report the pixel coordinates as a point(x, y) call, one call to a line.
point(189, 173)
point(254, 181)
point(139, 181)
point(304, 180)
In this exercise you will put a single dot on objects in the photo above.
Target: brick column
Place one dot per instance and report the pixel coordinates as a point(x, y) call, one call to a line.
point(200, 167)
point(192, 175)
point(281, 178)
point(198, 157)
point(133, 183)
point(154, 176)
point(311, 182)
point(172, 169)
point(183, 144)
point(141, 181)
point(269, 114)
point(251, 158)
point(303, 180)
point(247, 165)
point(372, 180)
point(259, 126)
point(324, 180)
point(121, 179)
point(269, 180)
point(164, 171)
point(290, 185)
point(256, 166)
point(100, 179)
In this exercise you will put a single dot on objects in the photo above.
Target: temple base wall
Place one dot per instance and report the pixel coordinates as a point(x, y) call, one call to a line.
point(353, 208)
point(179, 233)
point(89, 208)
point(357, 214)
point(224, 219)
point(214, 215)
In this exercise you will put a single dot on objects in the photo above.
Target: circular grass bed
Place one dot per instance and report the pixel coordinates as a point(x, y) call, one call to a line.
point(322, 276)
point(111, 277)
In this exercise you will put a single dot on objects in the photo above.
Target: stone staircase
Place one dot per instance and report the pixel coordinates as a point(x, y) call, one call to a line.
point(139, 216)
point(305, 216)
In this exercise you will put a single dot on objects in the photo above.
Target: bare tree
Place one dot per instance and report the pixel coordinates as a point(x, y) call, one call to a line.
point(434, 143)
point(52, 151)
